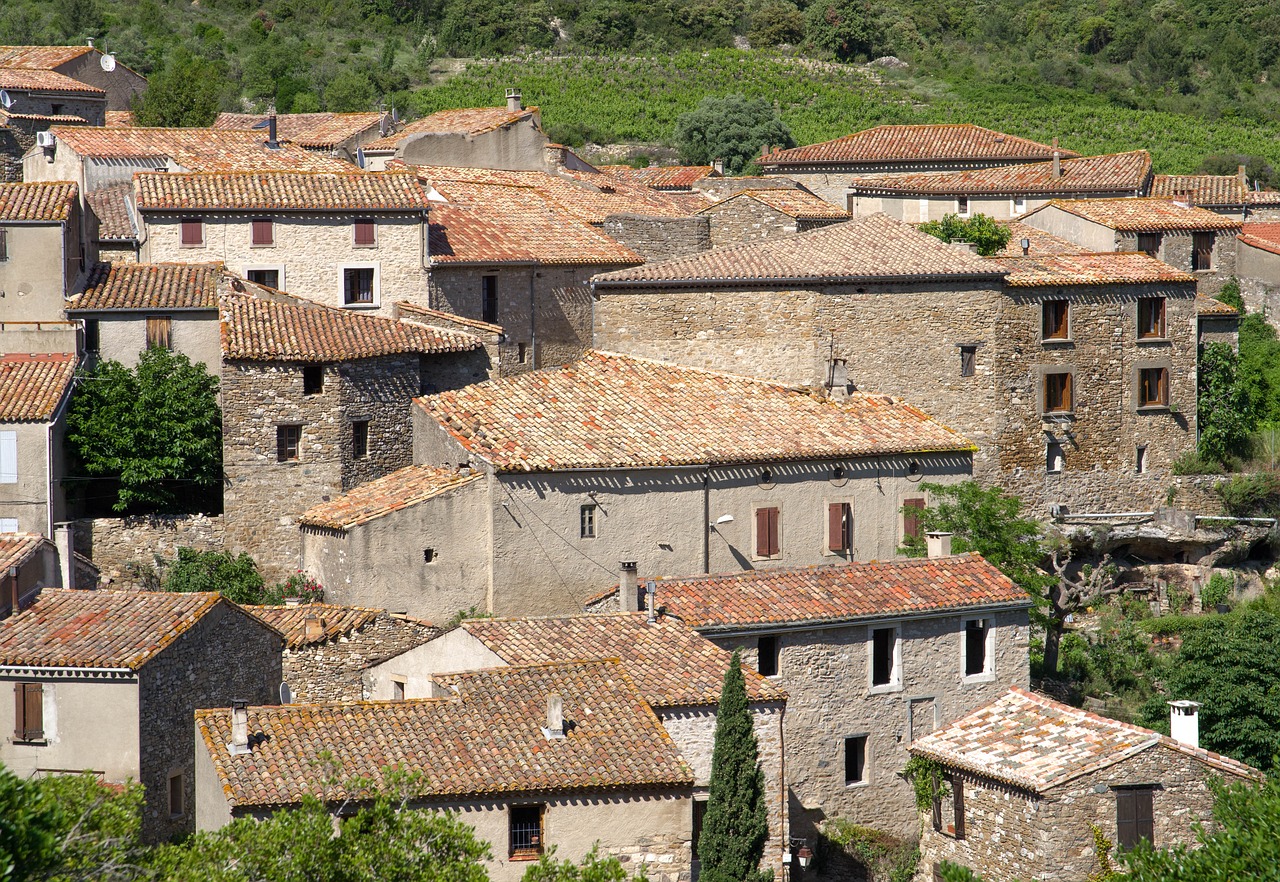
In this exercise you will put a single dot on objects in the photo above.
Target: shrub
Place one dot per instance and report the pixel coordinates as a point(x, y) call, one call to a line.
point(776, 24)
point(1230, 295)
point(981, 230)
point(1246, 496)
point(236, 577)
point(880, 855)
point(733, 129)
point(1220, 588)
point(1194, 463)
point(1225, 415)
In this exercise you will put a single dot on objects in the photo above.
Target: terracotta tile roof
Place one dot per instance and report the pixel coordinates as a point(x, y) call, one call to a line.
point(195, 150)
point(921, 143)
point(1209, 306)
point(671, 664)
point(588, 196)
point(609, 411)
point(465, 235)
point(371, 500)
point(487, 740)
point(32, 386)
point(800, 204)
point(260, 325)
point(1041, 243)
point(1137, 215)
point(37, 201)
point(1112, 173)
point(662, 177)
point(53, 120)
point(99, 629)
point(1264, 235)
point(1118, 268)
point(40, 57)
point(25, 79)
point(1262, 197)
point(115, 118)
point(463, 121)
point(149, 286)
point(291, 621)
point(1219, 190)
point(871, 247)
point(838, 593)
point(17, 548)
point(280, 190)
point(1033, 742)
point(115, 216)
point(315, 131)
point(415, 312)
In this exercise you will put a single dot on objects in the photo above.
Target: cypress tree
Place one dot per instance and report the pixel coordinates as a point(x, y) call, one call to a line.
point(736, 825)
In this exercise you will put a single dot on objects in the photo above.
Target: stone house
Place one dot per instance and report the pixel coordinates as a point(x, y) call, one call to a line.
point(40, 250)
point(327, 648)
point(759, 213)
point(1216, 322)
point(88, 66)
point(565, 756)
point(357, 241)
point(668, 178)
point(872, 655)
point(1002, 193)
point(873, 303)
point(508, 137)
point(826, 168)
point(1258, 266)
point(336, 134)
point(527, 490)
point(1028, 778)
point(108, 681)
point(34, 392)
point(29, 563)
point(677, 672)
point(1228, 195)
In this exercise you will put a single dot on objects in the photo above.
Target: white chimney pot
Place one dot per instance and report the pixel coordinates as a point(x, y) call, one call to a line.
point(938, 543)
point(1184, 722)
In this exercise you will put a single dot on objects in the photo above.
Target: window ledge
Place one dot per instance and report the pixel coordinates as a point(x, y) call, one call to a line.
point(1056, 416)
point(525, 855)
point(1155, 341)
point(1154, 408)
point(33, 742)
point(887, 689)
point(979, 679)
point(854, 785)
point(1058, 341)
point(361, 306)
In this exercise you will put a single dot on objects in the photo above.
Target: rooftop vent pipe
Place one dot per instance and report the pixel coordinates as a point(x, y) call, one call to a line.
point(628, 587)
point(239, 745)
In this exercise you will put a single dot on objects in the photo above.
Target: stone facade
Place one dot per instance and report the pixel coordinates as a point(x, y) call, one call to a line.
point(1012, 834)
point(826, 673)
point(899, 339)
point(744, 219)
point(660, 238)
point(118, 546)
point(333, 670)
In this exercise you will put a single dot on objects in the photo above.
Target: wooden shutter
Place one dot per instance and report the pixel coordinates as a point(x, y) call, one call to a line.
point(766, 532)
point(937, 806)
point(365, 233)
point(1135, 816)
point(159, 332)
point(911, 520)
point(839, 526)
point(775, 545)
point(193, 231)
point(28, 711)
point(4, 244)
point(957, 799)
point(263, 232)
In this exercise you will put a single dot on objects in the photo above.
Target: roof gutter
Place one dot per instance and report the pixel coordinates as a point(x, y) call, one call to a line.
point(797, 280)
point(970, 448)
point(66, 672)
point(830, 624)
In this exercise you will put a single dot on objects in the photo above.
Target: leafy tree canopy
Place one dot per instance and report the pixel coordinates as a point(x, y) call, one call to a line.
point(732, 129)
point(593, 868)
point(1225, 413)
point(186, 92)
point(981, 230)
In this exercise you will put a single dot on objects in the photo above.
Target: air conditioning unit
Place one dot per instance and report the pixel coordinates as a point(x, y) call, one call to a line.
point(45, 139)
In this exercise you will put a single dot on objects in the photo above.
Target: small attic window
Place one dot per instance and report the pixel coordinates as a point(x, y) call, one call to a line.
point(428, 555)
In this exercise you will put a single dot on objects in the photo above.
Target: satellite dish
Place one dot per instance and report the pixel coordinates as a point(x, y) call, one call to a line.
point(286, 694)
point(6, 100)
point(108, 63)
point(360, 157)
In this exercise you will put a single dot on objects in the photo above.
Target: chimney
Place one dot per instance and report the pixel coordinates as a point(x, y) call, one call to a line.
point(1184, 722)
point(89, 40)
point(939, 544)
point(313, 627)
point(239, 727)
point(272, 141)
point(14, 592)
point(292, 601)
point(764, 150)
point(717, 166)
point(515, 103)
point(628, 587)
point(651, 600)
point(65, 542)
point(1244, 179)
point(1026, 247)
point(971, 247)
point(555, 717)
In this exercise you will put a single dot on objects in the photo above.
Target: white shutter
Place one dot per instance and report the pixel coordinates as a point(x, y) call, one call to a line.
point(8, 457)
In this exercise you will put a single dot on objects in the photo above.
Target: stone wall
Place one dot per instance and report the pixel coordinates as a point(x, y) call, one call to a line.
point(1014, 835)
point(1176, 248)
point(743, 219)
point(660, 238)
point(14, 142)
point(332, 670)
point(118, 545)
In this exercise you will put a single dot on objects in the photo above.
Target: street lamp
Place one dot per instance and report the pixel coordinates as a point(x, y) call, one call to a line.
point(798, 853)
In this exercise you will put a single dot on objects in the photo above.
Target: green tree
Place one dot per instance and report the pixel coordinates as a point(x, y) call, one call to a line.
point(186, 92)
point(775, 24)
point(350, 92)
point(981, 230)
point(1226, 419)
point(155, 430)
point(593, 868)
point(736, 824)
point(236, 577)
point(1229, 294)
point(732, 129)
point(843, 29)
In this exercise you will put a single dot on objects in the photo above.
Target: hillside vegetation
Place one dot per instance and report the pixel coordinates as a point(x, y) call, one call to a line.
point(1186, 80)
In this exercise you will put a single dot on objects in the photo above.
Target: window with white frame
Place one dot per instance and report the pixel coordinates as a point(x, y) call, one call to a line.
point(886, 659)
point(962, 206)
point(360, 284)
point(1019, 205)
point(978, 650)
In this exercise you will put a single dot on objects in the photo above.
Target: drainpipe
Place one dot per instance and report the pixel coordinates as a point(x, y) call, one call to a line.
point(706, 520)
point(533, 321)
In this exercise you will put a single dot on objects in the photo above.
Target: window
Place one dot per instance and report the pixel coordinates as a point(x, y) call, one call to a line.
point(359, 439)
point(962, 206)
point(357, 285)
point(1055, 458)
point(92, 335)
point(587, 522)
point(1057, 393)
point(192, 232)
point(1140, 460)
point(1201, 251)
point(768, 651)
point(522, 354)
point(397, 689)
point(1153, 387)
point(1149, 243)
point(489, 299)
point(8, 457)
point(768, 538)
point(365, 234)
point(428, 555)
point(159, 332)
point(526, 832)
point(839, 527)
point(264, 233)
point(884, 652)
point(312, 379)
point(1019, 204)
point(968, 360)
point(4, 244)
point(288, 441)
point(699, 814)
point(975, 647)
point(911, 526)
point(855, 759)
point(1150, 318)
point(177, 796)
point(1135, 816)
point(28, 712)
point(268, 277)
point(56, 109)
point(1054, 320)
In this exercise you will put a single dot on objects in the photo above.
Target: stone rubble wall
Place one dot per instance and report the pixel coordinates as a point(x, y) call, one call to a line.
point(332, 671)
point(660, 238)
point(118, 545)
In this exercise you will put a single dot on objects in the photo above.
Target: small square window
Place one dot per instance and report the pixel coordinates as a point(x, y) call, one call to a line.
point(360, 439)
point(968, 360)
point(526, 831)
point(1054, 458)
point(177, 796)
point(962, 206)
point(884, 645)
point(855, 759)
point(1057, 393)
point(428, 555)
point(264, 233)
point(975, 647)
point(1151, 324)
point(397, 689)
point(587, 522)
point(312, 379)
point(768, 653)
point(1055, 315)
point(365, 234)
point(1153, 387)
point(357, 285)
point(1149, 244)
point(159, 332)
point(1201, 251)
point(192, 232)
point(1019, 204)
point(288, 442)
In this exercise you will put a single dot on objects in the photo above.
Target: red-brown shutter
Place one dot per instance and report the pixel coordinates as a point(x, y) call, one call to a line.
point(911, 520)
point(775, 546)
point(365, 233)
point(193, 231)
point(263, 233)
point(762, 532)
point(28, 711)
point(957, 799)
point(835, 526)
